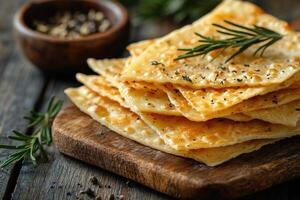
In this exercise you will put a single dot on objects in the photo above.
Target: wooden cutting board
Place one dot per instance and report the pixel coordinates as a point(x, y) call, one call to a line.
point(77, 135)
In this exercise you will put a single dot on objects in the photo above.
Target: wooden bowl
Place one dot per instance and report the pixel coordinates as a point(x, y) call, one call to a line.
point(59, 55)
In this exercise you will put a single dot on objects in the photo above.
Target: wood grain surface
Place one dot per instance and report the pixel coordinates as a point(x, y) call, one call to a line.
point(78, 136)
point(23, 88)
point(16, 98)
point(63, 177)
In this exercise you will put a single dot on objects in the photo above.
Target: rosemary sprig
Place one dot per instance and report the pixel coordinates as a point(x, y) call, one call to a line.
point(33, 144)
point(241, 37)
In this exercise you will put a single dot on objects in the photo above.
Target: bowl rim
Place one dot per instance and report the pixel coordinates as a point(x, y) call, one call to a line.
point(20, 25)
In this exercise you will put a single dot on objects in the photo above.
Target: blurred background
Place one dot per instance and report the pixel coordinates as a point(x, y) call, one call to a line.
point(147, 19)
point(153, 18)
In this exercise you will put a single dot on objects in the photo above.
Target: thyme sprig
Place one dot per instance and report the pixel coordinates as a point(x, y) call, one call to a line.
point(33, 144)
point(241, 37)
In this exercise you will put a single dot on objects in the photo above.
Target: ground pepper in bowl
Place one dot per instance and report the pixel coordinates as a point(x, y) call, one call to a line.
point(73, 25)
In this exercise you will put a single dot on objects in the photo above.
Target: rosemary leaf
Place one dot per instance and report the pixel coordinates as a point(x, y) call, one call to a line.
point(33, 145)
point(241, 37)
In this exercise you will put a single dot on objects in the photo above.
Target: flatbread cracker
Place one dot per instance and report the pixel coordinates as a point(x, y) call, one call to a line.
point(111, 68)
point(138, 48)
point(100, 85)
point(182, 134)
point(278, 107)
point(144, 97)
point(281, 60)
point(186, 110)
point(213, 100)
point(287, 114)
point(156, 101)
point(129, 125)
point(161, 104)
point(147, 98)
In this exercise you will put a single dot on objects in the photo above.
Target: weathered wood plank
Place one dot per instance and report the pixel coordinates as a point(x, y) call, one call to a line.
point(179, 177)
point(59, 178)
point(285, 191)
point(69, 182)
point(7, 10)
point(62, 176)
point(20, 86)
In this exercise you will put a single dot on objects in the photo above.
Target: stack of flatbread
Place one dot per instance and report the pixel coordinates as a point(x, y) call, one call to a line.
point(200, 107)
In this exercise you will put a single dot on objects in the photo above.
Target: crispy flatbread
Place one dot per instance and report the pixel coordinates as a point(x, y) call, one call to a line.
point(129, 125)
point(245, 88)
point(142, 98)
point(287, 114)
point(281, 60)
point(182, 134)
point(100, 85)
point(209, 100)
point(147, 98)
point(277, 107)
point(240, 117)
point(138, 48)
point(186, 110)
point(110, 68)
point(212, 100)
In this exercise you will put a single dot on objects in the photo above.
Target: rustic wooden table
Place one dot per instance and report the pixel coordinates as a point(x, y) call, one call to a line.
point(23, 88)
